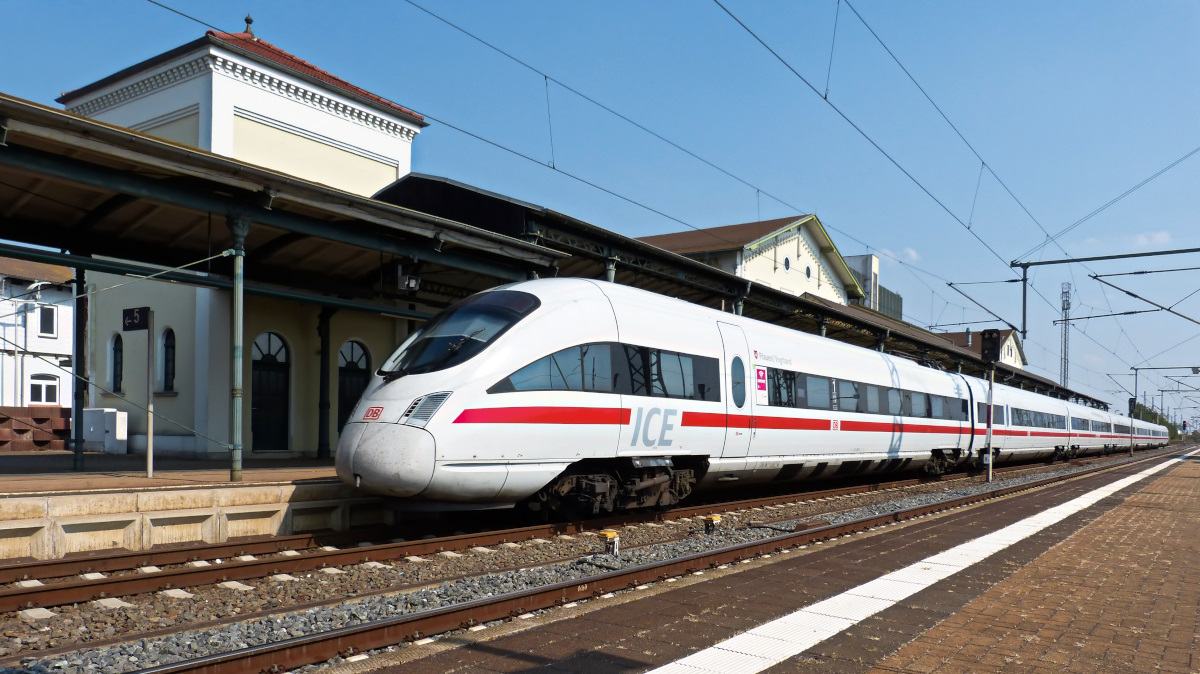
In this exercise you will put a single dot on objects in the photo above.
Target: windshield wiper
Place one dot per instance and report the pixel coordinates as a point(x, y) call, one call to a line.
point(393, 375)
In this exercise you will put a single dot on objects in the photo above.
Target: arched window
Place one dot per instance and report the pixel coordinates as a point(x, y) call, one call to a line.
point(270, 384)
point(117, 362)
point(269, 348)
point(168, 360)
point(354, 373)
point(43, 389)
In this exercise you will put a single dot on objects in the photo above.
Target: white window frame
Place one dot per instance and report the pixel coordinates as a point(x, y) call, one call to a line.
point(41, 324)
point(44, 383)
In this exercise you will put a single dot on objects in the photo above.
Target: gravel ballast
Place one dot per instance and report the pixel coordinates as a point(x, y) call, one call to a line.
point(658, 543)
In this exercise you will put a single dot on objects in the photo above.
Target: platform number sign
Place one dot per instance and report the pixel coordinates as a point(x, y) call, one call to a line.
point(137, 318)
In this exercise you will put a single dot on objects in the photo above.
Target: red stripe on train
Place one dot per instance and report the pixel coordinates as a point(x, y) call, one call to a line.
point(546, 415)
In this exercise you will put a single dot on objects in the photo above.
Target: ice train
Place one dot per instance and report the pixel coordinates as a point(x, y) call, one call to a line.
point(589, 397)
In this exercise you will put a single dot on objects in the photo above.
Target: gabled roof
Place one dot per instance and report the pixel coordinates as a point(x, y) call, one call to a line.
point(750, 235)
point(960, 340)
point(715, 239)
point(258, 49)
point(35, 271)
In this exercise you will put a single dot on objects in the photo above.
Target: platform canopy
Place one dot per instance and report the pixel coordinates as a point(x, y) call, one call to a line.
point(597, 252)
point(125, 202)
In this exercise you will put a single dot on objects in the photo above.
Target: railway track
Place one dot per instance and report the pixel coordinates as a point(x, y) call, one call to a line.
point(351, 556)
point(141, 572)
point(290, 653)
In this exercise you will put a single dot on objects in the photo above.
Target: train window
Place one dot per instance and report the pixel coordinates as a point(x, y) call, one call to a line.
point(667, 374)
point(619, 368)
point(781, 387)
point(668, 379)
point(566, 370)
point(919, 405)
point(597, 367)
point(1121, 428)
point(1079, 424)
point(459, 333)
point(937, 407)
point(848, 396)
point(737, 381)
point(893, 402)
point(561, 371)
point(818, 392)
point(872, 397)
point(998, 411)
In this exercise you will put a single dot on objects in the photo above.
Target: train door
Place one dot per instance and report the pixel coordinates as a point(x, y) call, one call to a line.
point(738, 395)
point(969, 413)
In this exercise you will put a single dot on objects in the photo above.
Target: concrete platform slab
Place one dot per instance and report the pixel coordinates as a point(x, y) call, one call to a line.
point(1108, 580)
point(53, 512)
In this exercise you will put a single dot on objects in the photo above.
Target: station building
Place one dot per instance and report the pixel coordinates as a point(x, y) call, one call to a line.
point(236, 95)
point(793, 254)
point(1012, 353)
point(36, 315)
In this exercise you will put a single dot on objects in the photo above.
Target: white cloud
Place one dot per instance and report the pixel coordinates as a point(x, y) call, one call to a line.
point(911, 255)
point(1158, 238)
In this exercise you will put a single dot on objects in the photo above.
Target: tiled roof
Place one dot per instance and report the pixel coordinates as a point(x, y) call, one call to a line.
point(258, 49)
point(261, 48)
point(728, 237)
point(35, 271)
point(960, 340)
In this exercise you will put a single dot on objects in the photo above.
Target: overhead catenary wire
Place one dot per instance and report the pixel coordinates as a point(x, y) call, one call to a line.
point(1109, 203)
point(914, 269)
point(992, 171)
point(590, 99)
point(862, 133)
point(186, 16)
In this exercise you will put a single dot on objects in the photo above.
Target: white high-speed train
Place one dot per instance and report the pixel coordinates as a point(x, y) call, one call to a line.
point(590, 397)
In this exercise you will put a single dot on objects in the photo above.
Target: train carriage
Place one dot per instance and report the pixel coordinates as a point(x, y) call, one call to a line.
point(587, 396)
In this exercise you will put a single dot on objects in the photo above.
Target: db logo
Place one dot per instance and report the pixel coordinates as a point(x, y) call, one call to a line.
point(373, 413)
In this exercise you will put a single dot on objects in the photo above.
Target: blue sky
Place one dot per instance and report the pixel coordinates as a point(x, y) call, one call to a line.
point(1070, 104)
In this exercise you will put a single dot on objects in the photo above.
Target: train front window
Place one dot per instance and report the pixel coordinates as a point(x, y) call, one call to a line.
point(459, 333)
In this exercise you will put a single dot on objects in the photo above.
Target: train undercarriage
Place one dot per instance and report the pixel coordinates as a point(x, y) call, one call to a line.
point(593, 488)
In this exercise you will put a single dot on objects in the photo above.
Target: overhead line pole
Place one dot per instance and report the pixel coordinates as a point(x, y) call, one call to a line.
point(1095, 258)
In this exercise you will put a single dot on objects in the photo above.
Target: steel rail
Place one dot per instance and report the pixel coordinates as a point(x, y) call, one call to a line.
point(125, 561)
point(77, 591)
point(299, 651)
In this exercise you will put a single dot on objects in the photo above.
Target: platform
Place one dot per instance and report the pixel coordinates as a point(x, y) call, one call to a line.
point(1093, 576)
point(48, 511)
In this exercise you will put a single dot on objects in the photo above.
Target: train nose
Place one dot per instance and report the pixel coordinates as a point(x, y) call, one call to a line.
point(389, 459)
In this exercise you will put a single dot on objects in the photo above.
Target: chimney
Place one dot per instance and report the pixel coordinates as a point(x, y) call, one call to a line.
point(968, 338)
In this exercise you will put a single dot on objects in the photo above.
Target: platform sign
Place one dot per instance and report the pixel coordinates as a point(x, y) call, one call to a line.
point(137, 318)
